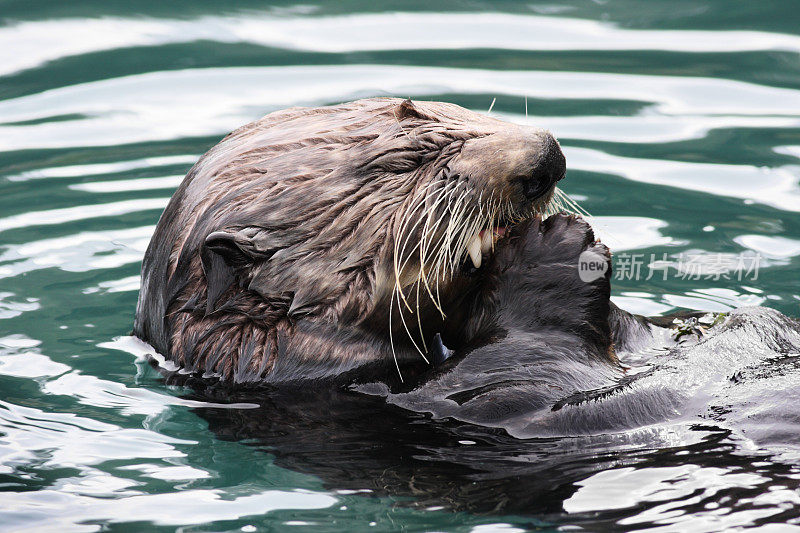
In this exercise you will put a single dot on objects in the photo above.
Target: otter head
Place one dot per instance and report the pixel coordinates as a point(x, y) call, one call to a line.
point(368, 220)
point(483, 177)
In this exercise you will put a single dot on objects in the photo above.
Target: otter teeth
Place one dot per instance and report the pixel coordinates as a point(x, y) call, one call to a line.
point(474, 249)
point(487, 241)
point(483, 243)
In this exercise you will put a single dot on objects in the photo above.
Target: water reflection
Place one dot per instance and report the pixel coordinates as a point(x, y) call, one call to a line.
point(655, 475)
point(49, 40)
point(131, 109)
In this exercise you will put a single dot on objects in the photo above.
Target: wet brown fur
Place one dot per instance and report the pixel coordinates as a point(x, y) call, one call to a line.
point(307, 203)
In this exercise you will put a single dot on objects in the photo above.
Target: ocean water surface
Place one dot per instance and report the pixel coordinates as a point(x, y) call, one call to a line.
point(680, 122)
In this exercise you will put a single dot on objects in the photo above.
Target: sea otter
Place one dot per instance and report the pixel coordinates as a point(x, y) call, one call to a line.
point(404, 250)
point(356, 270)
point(339, 241)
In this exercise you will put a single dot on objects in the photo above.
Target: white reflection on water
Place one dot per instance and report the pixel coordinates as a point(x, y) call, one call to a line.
point(640, 303)
point(30, 44)
point(43, 440)
point(78, 252)
point(66, 439)
point(793, 151)
point(676, 487)
point(91, 169)
point(168, 473)
point(217, 100)
point(32, 439)
point(20, 358)
point(80, 212)
point(138, 184)
point(771, 246)
point(715, 299)
point(91, 390)
point(66, 511)
point(130, 283)
point(646, 127)
point(629, 233)
point(777, 187)
point(12, 306)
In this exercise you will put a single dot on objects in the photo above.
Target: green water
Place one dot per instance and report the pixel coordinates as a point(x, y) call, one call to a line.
point(680, 122)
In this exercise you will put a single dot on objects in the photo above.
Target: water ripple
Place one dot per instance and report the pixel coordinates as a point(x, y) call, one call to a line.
point(31, 44)
point(80, 212)
point(132, 109)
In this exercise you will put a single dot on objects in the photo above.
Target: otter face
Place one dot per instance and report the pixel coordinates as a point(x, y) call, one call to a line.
point(510, 175)
point(374, 216)
point(518, 167)
point(489, 176)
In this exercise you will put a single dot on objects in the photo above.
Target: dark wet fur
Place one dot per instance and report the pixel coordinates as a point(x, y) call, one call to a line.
point(545, 333)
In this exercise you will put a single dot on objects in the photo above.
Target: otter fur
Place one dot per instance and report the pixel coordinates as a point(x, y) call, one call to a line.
point(317, 243)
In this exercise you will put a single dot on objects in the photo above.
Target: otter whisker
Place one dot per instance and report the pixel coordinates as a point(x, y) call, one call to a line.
point(427, 231)
point(400, 256)
point(419, 326)
point(464, 233)
point(572, 203)
point(417, 202)
point(444, 244)
point(429, 210)
point(445, 253)
point(556, 204)
point(459, 237)
point(399, 268)
point(493, 219)
point(452, 226)
point(410, 336)
point(455, 246)
point(391, 338)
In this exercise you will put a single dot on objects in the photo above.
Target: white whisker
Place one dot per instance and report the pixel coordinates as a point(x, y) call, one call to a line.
point(391, 339)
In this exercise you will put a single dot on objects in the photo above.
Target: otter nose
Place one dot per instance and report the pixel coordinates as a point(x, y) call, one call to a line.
point(550, 167)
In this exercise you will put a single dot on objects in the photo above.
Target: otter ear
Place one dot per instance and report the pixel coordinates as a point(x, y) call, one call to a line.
point(222, 253)
point(233, 247)
point(406, 109)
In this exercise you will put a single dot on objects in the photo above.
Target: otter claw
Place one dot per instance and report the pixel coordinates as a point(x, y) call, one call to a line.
point(438, 351)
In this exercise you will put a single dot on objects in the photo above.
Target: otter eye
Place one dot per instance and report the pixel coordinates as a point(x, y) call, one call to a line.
point(533, 187)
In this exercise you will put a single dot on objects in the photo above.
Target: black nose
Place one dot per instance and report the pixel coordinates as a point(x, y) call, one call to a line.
point(550, 167)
